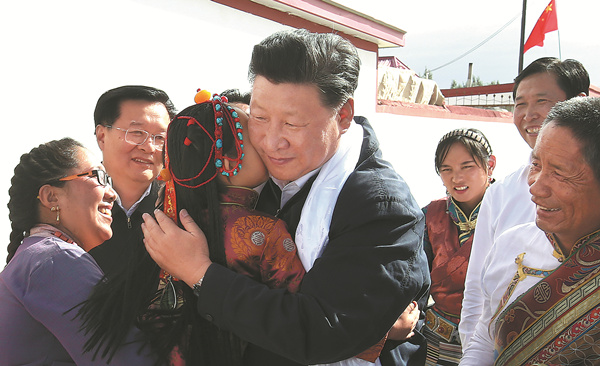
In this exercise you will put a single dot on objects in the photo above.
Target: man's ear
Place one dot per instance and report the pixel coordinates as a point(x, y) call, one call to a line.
point(346, 114)
point(100, 136)
point(48, 196)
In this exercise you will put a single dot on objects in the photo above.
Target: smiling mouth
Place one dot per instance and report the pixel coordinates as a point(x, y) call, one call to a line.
point(533, 130)
point(462, 188)
point(106, 211)
point(142, 161)
point(547, 209)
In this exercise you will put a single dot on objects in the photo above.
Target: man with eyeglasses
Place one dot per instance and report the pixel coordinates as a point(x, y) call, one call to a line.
point(131, 125)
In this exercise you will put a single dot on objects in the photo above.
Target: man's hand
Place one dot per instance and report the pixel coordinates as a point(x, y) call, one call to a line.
point(182, 253)
point(406, 323)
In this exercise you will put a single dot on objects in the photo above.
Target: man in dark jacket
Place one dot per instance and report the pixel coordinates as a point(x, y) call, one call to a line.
point(131, 124)
point(357, 227)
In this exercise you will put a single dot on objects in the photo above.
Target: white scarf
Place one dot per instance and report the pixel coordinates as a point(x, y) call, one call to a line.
point(313, 229)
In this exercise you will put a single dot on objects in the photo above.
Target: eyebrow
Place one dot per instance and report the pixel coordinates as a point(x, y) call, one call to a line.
point(540, 94)
point(463, 163)
point(562, 168)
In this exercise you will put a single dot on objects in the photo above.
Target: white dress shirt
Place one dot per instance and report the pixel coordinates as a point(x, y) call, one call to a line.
point(506, 203)
point(133, 207)
point(497, 272)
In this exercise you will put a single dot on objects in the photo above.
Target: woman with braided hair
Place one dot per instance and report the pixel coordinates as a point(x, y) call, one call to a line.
point(60, 208)
point(464, 161)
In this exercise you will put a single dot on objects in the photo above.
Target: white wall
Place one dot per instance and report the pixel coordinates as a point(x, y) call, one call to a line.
point(59, 56)
point(409, 143)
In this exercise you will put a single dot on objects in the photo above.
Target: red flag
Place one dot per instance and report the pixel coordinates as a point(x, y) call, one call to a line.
point(546, 23)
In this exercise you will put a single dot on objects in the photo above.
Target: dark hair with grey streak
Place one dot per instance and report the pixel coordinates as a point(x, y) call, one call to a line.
point(581, 115)
point(328, 61)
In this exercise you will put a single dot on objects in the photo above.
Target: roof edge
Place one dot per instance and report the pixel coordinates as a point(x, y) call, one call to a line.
point(324, 17)
point(445, 111)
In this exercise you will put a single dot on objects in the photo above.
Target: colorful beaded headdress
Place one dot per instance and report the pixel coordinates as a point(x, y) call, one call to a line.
point(224, 115)
point(470, 134)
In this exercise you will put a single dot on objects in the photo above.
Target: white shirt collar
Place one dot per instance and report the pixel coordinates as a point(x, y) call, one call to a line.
point(289, 189)
point(136, 204)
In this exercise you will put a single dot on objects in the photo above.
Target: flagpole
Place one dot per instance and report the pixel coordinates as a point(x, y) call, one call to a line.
point(559, 52)
point(558, 32)
point(521, 46)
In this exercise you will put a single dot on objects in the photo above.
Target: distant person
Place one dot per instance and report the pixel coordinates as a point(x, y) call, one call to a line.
point(541, 281)
point(131, 124)
point(60, 208)
point(464, 161)
point(357, 227)
point(507, 203)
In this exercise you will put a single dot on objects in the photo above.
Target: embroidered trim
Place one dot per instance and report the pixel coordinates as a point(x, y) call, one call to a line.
point(465, 225)
point(522, 273)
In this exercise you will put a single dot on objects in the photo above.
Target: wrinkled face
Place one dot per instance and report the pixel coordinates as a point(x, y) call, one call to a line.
point(534, 98)
point(463, 178)
point(563, 186)
point(85, 205)
point(291, 130)
point(129, 164)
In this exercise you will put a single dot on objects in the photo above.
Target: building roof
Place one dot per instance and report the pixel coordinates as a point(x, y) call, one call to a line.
point(444, 111)
point(324, 16)
point(496, 89)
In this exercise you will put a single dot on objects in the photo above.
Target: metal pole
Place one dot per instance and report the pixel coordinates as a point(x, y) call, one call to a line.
point(522, 44)
point(470, 75)
point(559, 51)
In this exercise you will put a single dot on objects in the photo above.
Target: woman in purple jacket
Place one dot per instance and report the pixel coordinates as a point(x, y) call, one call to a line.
point(60, 208)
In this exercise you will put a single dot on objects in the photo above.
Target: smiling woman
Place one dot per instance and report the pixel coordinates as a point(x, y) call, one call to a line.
point(464, 161)
point(60, 207)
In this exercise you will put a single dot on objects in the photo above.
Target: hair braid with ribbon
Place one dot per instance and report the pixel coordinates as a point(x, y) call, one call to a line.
point(214, 142)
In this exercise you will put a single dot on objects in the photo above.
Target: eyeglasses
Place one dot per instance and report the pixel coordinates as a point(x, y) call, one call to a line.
point(138, 137)
point(100, 175)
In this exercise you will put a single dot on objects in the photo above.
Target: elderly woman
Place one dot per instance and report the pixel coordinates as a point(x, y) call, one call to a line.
point(60, 208)
point(541, 281)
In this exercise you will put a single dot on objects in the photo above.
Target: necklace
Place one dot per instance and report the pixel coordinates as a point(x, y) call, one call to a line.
point(46, 230)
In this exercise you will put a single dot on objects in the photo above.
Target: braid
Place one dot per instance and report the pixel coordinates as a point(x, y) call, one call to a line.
point(189, 159)
point(45, 163)
point(119, 303)
point(191, 154)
